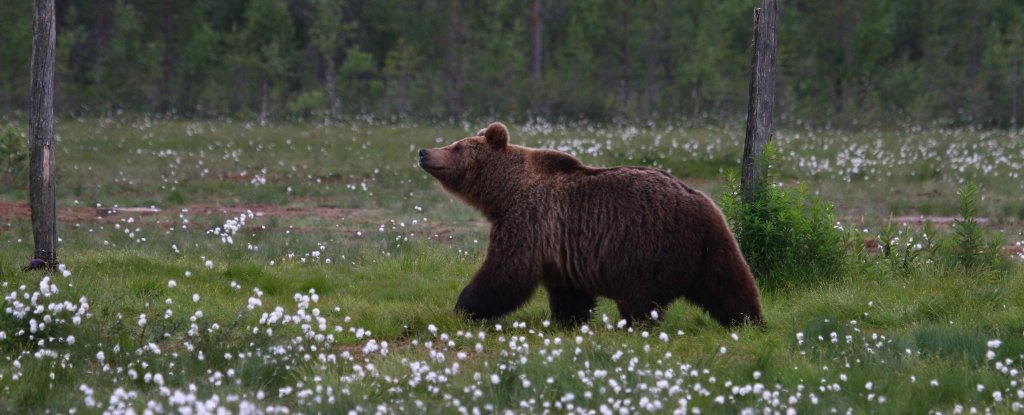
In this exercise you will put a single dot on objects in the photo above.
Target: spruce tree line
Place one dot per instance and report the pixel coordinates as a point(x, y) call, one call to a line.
point(842, 62)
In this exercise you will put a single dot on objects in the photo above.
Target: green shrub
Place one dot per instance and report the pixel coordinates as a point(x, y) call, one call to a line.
point(309, 103)
point(903, 248)
point(974, 246)
point(787, 236)
point(970, 246)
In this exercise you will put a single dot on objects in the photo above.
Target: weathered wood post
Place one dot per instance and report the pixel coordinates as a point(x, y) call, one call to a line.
point(42, 170)
point(762, 96)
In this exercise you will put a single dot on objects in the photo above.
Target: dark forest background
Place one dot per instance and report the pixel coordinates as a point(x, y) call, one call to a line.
point(842, 62)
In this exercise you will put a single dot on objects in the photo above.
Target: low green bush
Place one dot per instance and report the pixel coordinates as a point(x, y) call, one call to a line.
point(973, 245)
point(788, 236)
point(904, 249)
point(970, 246)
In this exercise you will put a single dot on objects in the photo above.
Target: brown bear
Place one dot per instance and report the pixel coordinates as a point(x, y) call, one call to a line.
point(636, 235)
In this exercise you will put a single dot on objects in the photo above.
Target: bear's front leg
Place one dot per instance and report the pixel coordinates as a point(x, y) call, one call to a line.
point(499, 287)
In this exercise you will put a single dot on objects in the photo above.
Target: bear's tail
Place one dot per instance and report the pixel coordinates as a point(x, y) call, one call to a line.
point(728, 292)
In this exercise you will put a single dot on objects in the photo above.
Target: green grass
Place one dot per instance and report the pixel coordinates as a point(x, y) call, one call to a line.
point(386, 264)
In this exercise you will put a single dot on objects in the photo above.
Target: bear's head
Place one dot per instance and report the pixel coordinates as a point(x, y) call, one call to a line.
point(475, 168)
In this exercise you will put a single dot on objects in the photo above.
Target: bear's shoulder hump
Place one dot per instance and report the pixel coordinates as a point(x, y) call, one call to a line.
point(551, 161)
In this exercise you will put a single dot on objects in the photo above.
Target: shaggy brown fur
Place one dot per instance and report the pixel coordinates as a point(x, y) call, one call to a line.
point(636, 235)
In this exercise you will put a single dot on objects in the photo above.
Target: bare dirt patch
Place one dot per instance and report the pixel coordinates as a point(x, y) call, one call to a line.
point(937, 220)
point(347, 220)
point(280, 211)
point(14, 210)
point(10, 211)
point(1017, 251)
point(18, 210)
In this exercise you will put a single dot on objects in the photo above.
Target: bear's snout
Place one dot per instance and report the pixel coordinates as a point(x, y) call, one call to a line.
point(426, 162)
point(422, 159)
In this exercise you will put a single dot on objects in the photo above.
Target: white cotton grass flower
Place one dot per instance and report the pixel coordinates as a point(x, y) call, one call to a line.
point(231, 227)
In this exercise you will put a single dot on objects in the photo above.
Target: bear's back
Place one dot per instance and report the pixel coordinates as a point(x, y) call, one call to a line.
point(619, 228)
point(631, 189)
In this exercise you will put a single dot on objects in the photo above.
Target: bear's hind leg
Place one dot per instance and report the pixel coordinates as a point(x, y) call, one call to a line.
point(727, 290)
point(729, 312)
point(639, 312)
point(570, 307)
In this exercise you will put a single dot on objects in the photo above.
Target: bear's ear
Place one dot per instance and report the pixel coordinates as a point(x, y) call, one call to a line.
point(496, 135)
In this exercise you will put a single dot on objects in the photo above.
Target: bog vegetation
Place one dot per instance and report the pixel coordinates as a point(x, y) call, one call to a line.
point(307, 269)
point(217, 258)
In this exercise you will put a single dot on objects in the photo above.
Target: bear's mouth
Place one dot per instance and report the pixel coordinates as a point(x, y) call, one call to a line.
point(425, 165)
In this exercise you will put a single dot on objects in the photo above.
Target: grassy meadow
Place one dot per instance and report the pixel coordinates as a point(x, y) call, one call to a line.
point(303, 269)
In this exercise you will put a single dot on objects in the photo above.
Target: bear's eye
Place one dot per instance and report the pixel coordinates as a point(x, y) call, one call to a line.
point(457, 148)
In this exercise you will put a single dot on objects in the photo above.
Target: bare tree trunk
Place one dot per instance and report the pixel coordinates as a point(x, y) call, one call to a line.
point(845, 21)
point(651, 87)
point(42, 168)
point(101, 29)
point(624, 60)
point(332, 93)
point(1015, 101)
point(454, 65)
point(403, 88)
point(762, 97)
point(974, 69)
point(265, 101)
point(165, 100)
point(457, 88)
point(537, 28)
